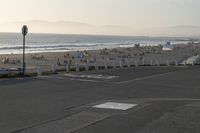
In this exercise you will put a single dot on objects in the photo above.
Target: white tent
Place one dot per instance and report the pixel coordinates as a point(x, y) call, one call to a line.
point(168, 47)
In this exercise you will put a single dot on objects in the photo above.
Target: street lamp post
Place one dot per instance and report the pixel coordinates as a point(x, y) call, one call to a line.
point(24, 33)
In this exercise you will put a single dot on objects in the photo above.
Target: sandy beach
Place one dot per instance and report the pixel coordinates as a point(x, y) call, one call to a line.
point(148, 55)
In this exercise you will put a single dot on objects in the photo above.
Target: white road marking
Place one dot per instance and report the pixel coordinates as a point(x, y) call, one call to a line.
point(115, 106)
point(92, 76)
point(85, 80)
point(98, 76)
point(72, 78)
point(52, 77)
point(142, 78)
point(70, 75)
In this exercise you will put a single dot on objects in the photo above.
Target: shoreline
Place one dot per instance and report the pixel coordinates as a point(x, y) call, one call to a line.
point(147, 53)
point(97, 49)
point(37, 43)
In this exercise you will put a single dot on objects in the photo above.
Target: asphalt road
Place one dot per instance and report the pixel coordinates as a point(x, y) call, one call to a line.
point(167, 101)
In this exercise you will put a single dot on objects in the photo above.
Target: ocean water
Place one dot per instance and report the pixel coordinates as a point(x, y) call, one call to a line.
point(36, 43)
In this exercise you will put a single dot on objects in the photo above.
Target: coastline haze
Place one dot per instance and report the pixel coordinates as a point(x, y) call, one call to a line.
point(113, 17)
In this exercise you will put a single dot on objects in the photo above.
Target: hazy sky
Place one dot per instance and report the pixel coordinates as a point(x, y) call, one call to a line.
point(137, 14)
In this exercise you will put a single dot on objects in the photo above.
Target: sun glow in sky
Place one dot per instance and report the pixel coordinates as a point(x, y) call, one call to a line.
point(129, 17)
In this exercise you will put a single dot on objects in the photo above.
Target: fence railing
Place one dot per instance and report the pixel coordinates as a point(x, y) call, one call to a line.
point(98, 65)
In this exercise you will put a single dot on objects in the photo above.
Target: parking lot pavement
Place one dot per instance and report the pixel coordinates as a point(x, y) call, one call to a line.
point(148, 115)
point(168, 116)
point(120, 75)
point(166, 98)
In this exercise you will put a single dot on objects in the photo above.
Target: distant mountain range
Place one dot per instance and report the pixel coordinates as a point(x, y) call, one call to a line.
point(44, 22)
point(71, 27)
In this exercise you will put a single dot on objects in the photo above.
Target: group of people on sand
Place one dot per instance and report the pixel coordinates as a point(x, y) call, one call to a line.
point(8, 60)
point(37, 57)
point(67, 60)
point(104, 51)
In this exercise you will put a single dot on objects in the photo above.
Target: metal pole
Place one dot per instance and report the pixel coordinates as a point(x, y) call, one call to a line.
point(24, 33)
point(24, 65)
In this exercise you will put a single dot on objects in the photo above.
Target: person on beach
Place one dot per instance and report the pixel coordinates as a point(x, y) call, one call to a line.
point(6, 60)
point(66, 55)
point(58, 62)
point(65, 62)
